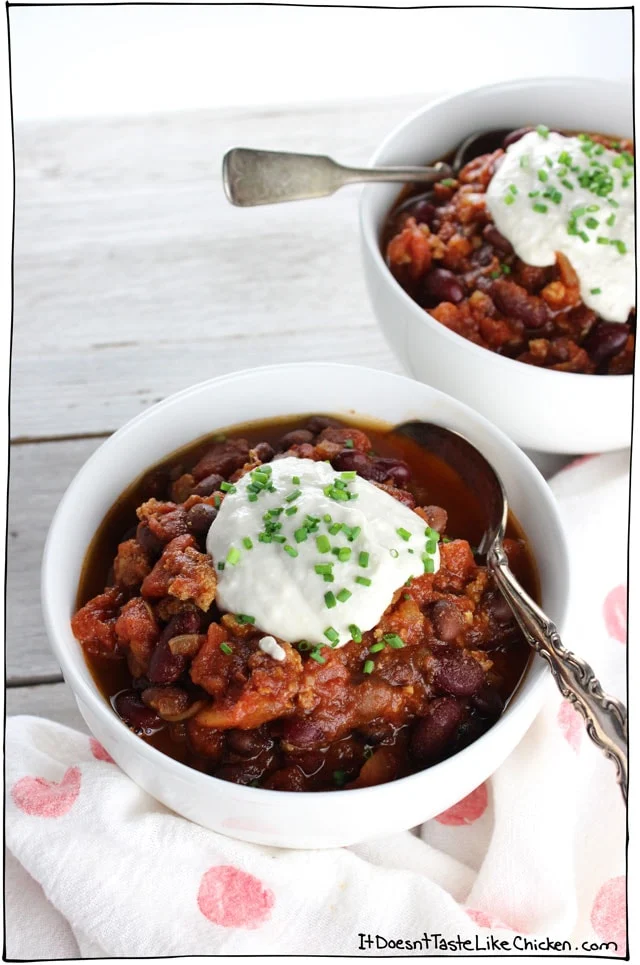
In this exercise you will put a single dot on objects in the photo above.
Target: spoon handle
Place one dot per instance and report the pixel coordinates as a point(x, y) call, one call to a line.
point(605, 717)
point(253, 177)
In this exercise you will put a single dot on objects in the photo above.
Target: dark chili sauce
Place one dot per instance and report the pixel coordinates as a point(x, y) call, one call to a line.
point(316, 766)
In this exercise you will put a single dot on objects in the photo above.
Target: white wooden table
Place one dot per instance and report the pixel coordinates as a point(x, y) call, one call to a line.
point(134, 278)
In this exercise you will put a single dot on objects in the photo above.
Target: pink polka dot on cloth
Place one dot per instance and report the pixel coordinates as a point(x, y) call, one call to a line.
point(99, 751)
point(468, 810)
point(234, 898)
point(483, 920)
point(614, 611)
point(47, 799)
point(609, 912)
point(571, 724)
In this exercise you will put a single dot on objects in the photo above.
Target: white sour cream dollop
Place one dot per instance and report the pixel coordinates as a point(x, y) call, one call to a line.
point(554, 193)
point(380, 545)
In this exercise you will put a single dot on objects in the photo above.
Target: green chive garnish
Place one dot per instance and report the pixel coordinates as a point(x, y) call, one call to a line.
point(363, 580)
point(317, 656)
point(329, 600)
point(540, 208)
point(376, 648)
point(343, 595)
point(344, 553)
point(290, 550)
point(291, 511)
point(245, 618)
point(348, 443)
point(404, 534)
point(356, 633)
point(368, 666)
point(363, 560)
point(226, 648)
point(233, 556)
point(294, 495)
point(394, 640)
point(331, 635)
point(227, 487)
point(542, 130)
point(324, 569)
point(596, 291)
point(323, 544)
point(247, 543)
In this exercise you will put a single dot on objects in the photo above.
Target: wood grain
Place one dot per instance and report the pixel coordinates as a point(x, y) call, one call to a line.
point(54, 701)
point(134, 277)
point(38, 476)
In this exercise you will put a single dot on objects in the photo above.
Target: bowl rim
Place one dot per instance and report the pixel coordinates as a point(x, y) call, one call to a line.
point(370, 238)
point(89, 693)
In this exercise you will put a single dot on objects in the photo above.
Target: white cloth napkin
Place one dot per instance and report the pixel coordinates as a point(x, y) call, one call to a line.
point(97, 868)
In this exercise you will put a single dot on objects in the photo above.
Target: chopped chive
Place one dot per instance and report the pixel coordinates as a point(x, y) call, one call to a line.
point(348, 443)
point(534, 194)
point(233, 556)
point(335, 528)
point(291, 511)
point(295, 480)
point(328, 578)
point(264, 537)
point(340, 484)
point(431, 546)
point(252, 498)
point(429, 565)
point(216, 501)
point(394, 641)
point(327, 518)
point(611, 220)
point(602, 241)
point(340, 778)
point(540, 208)
point(227, 487)
point(394, 553)
point(404, 534)
point(247, 543)
point(620, 245)
point(290, 550)
point(524, 161)
point(343, 554)
point(245, 618)
point(543, 130)
point(505, 269)
point(363, 580)
point(542, 175)
point(343, 595)
point(276, 538)
point(324, 569)
point(363, 560)
point(300, 535)
point(226, 648)
point(448, 182)
point(567, 184)
point(350, 474)
point(509, 199)
point(317, 656)
point(323, 544)
point(368, 666)
point(596, 291)
point(513, 189)
point(583, 235)
point(353, 533)
point(376, 648)
point(303, 645)
point(332, 635)
point(329, 600)
point(294, 495)
point(356, 633)
point(221, 565)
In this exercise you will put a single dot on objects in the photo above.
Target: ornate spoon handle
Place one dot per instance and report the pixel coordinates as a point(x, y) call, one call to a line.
point(605, 717)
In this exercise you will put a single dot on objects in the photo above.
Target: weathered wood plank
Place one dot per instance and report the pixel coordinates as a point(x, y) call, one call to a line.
point(53, 701)
point(134, 277)
point(39, 475)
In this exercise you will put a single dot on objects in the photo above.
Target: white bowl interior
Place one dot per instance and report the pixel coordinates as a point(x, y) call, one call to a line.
point(538, 408)
point(267, 393)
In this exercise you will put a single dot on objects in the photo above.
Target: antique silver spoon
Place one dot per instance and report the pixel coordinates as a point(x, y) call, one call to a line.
point(605, 717)
point(266, 177)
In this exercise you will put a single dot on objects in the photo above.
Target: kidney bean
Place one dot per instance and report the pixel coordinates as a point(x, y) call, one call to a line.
point(395, 470)
point(493, 236)
point(166, 667)
point(605, 340)
point(458, 674)
point(432, 735)
point(186, 645)
point(515, 302)
point(287, 779)
point(148, 540)
point(319, 422)
point(264, 452)
point(302, 732)
point(441, 285)
point(488, 702)
point(200, 518)
point(248, 743)
point(137, 716)
point(447, 620)
point(156, 484)
point(436, 517)
point(166, 701)
point(223, 458)
point(205, 741)
point(351, 460)
point(140, 683)
point(295, 438)
point(514, 136)
point(482, 257)
point(424, 212)
point(208, 485)
point(498, 608)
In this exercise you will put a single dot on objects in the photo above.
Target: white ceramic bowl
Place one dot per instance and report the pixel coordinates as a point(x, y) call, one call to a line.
point(287, 819)
point(538, 408)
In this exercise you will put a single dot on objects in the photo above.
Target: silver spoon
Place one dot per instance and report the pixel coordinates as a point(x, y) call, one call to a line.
point(266, 177)
point(605, 717)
